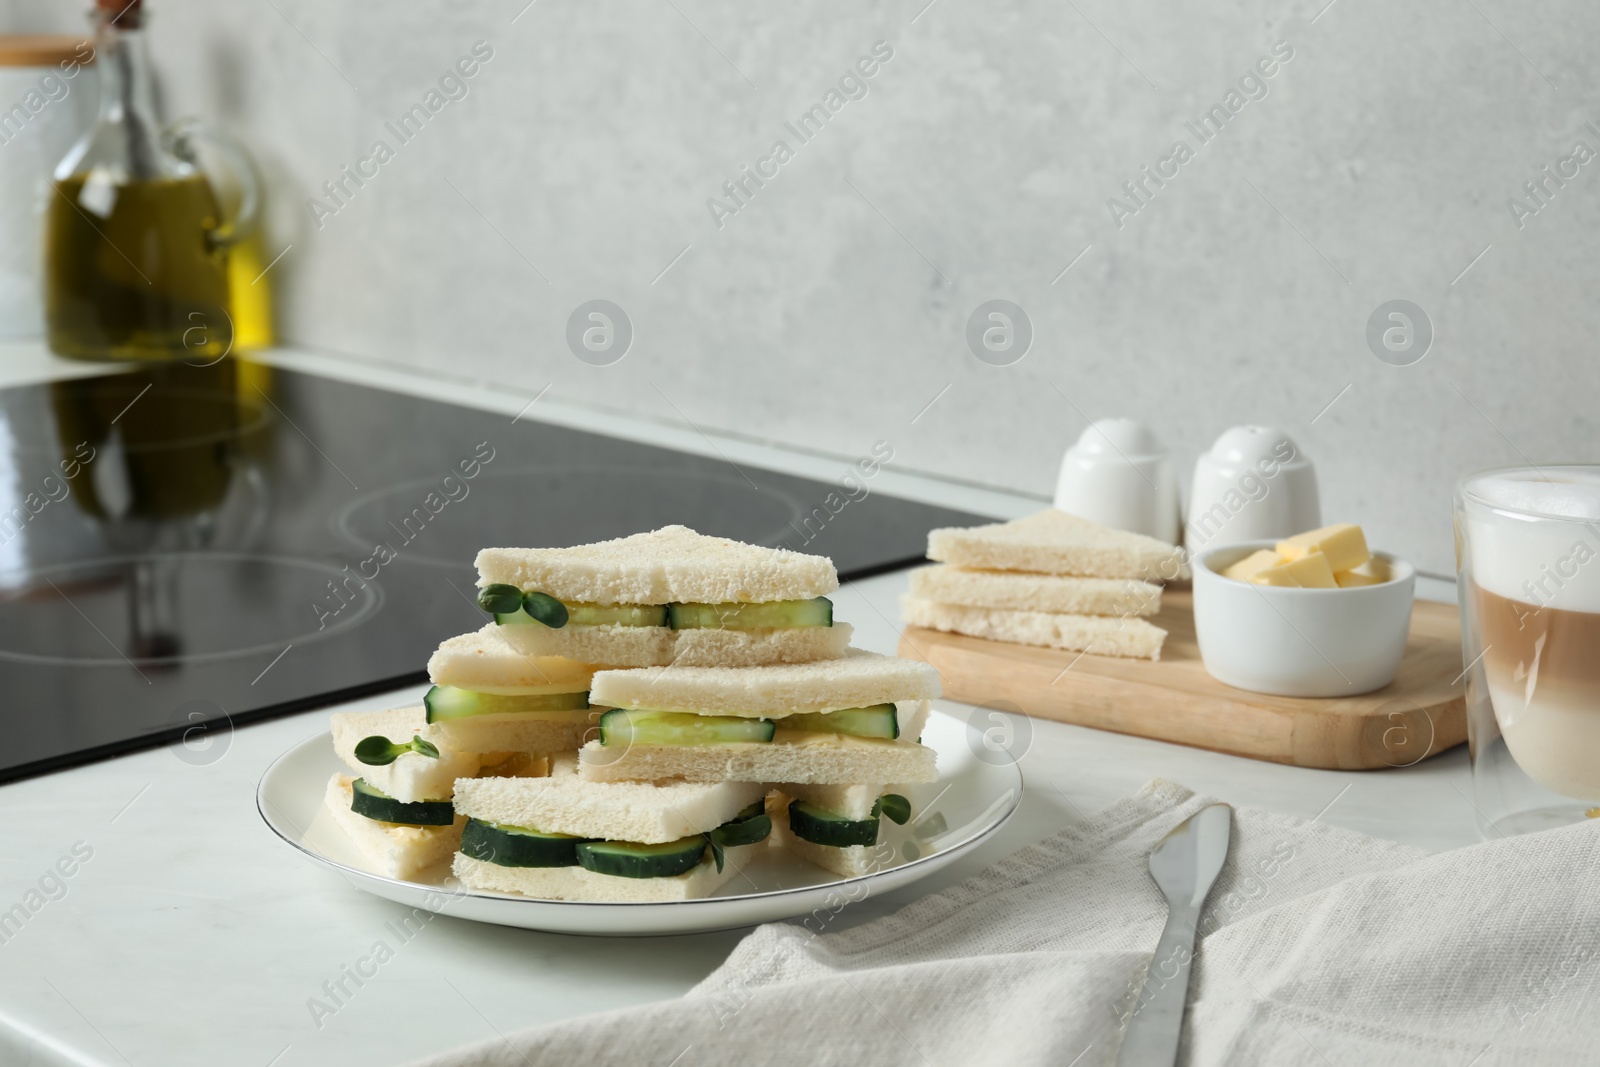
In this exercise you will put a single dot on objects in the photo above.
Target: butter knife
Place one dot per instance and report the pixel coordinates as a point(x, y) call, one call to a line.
point(1184, 865)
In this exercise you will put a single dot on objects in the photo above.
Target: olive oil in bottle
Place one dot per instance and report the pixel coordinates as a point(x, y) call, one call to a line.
point(140, 281)
point(136, 247)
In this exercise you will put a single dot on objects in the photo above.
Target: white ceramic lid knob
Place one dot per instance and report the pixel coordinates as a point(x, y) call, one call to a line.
point(1120, 475)
point(1253, 483)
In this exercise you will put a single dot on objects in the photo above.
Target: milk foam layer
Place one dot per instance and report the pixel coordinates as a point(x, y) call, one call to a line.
point(1536, 537)
point(1558, 493)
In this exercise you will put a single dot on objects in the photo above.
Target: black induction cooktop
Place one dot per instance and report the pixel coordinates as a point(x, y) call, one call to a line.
point(185, 548)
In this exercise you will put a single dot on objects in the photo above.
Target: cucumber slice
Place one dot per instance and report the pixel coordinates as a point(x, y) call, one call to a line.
point(879, 720)
point(822, 827)
point(518, 846)
point(894, 807)
point(635, 726)
point(595, 615)
point(445, 702)
point(774, 614)
point(617, 614)
point(499, 599)
point(624, 859)
point(746, 830)
point(376, 804)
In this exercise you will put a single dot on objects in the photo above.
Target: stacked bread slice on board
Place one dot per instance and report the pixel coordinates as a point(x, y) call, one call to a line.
point(641, 718)
point(1050, 579)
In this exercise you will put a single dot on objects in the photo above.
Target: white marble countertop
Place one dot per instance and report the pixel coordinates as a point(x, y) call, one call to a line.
point(192, 936)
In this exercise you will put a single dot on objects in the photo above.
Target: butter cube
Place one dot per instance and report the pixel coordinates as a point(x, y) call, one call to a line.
point(1253, 564)
point(1308, 572)
point(1373, 572)
point(1344, 546)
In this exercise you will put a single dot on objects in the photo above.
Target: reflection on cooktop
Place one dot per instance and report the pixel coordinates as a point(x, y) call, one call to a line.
point(162, 609)
point(184, 544)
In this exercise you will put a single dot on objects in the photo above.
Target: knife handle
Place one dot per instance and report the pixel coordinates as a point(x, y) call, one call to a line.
point(1152, 1036)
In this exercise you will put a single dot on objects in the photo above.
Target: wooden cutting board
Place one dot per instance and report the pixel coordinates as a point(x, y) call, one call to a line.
point(1422, 712)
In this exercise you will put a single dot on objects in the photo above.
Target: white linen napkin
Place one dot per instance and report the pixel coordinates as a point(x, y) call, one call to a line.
point(1319, 947)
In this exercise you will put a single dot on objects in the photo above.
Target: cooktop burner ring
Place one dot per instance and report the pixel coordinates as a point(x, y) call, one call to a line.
point(297, 581)
point(786, 510)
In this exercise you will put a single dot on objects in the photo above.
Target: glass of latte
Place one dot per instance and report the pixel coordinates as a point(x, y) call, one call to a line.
point(1528, 563)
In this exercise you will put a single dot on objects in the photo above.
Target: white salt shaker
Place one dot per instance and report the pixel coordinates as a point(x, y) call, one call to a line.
point(1253, 484)
point(1119, 475)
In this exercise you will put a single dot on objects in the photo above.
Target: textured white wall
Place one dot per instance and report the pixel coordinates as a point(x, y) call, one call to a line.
point(832, 309)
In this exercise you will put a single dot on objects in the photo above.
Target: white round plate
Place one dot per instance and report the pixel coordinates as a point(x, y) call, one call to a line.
point(972, 799)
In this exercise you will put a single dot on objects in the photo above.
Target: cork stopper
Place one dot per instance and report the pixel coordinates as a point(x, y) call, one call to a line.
point(127, 14)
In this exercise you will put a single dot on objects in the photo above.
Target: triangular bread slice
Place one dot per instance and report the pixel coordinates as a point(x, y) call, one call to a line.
point(658, 646)
point(853, 802)
point(643, 812)
point(640, 812)
point(672, 564)
point(389, 849)
point(412, 776)
point(484, 663)
point(1100, 635)
point(1054, 542)
point(856, 679)
point(1017, 591)
point(824, 759)
point(576, 883)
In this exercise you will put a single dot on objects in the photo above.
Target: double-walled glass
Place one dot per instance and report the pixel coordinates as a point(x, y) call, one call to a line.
point(1528, 564)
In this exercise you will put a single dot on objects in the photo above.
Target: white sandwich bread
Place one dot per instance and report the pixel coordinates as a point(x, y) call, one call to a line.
point(672, 564)
point(791, 756)
point(647, 812)
point(912, 718)
point(671, 596)
point(1054, 542)
point(563, 838)
point(854, 719)
point(855, 802)
point(660, 646)
point(412, 776)
point(488, 697)
point(850, 861)
point(576, 883)
point(479, 662)
point(856, 679)
point(1018, 591)
point(390, 849)
point(1128, 637)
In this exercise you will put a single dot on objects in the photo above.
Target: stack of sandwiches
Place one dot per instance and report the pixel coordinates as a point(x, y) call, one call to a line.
point(641, 718)
point(1050, 579)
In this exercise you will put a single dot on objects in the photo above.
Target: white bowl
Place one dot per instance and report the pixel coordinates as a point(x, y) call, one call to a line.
point(1300, 642)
